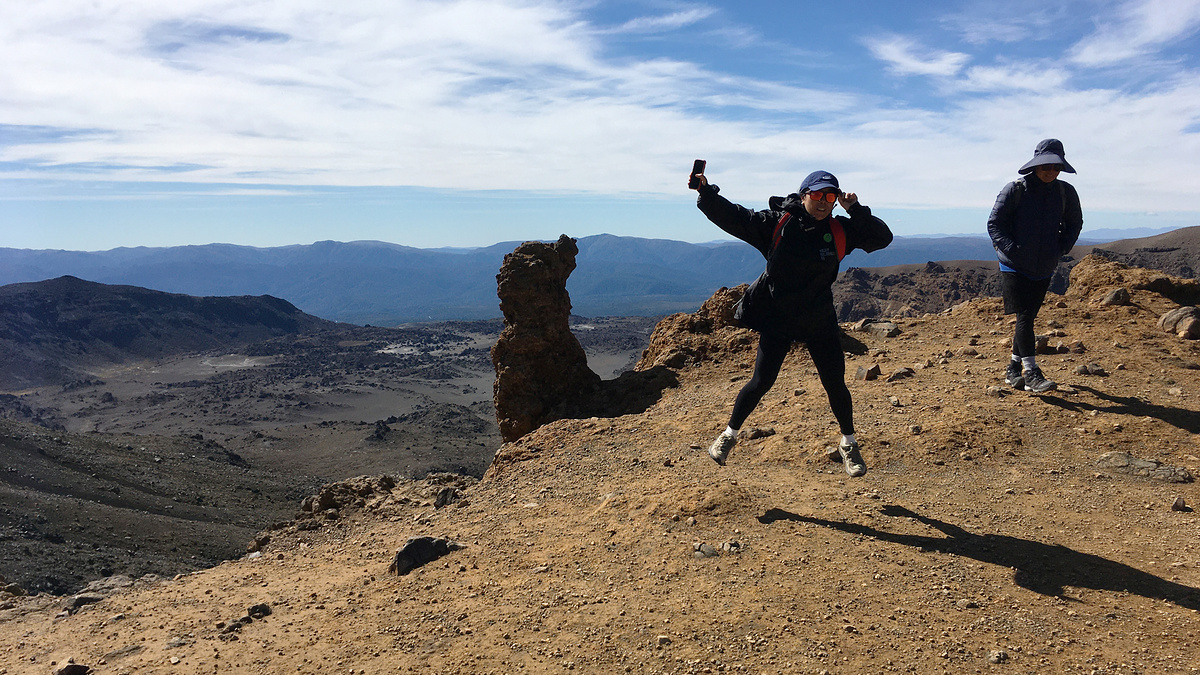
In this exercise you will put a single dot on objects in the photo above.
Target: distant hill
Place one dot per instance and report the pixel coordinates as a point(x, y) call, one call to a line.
point(377, 283)
point(49, 328)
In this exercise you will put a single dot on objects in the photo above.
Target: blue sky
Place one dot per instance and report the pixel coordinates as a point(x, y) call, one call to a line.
point(468, 122)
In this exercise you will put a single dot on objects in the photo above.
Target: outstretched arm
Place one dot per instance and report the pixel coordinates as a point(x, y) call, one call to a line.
point(752, 227)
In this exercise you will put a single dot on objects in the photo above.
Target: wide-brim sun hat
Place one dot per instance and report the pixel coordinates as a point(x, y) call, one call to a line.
point(1049, 151)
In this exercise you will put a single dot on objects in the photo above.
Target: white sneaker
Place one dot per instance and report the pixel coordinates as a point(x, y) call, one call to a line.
point(720, 448)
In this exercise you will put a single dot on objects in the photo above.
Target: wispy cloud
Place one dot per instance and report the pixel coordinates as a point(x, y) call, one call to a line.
point(1138, 28)
point(904, 56)
point(666, 22)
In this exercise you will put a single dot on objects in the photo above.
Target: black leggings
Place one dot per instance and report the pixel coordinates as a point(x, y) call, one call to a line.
point(1023, 340)
point(826, 352)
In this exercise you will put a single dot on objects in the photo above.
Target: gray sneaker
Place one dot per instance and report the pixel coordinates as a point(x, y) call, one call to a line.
point(719, 450)
point(1036, 382)
point(852, 460)
point(1012, 376)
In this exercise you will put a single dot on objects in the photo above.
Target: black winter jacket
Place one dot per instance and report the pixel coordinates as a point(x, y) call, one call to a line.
point(1033, 224)
point(795, 293)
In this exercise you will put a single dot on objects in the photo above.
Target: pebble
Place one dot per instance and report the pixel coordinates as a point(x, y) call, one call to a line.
point(998, 656)
point(1179, 505)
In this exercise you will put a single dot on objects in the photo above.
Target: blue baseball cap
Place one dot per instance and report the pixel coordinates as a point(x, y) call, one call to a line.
point(819, 180)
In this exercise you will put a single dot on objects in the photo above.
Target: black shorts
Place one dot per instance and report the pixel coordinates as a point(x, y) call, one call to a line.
point(1022, 294)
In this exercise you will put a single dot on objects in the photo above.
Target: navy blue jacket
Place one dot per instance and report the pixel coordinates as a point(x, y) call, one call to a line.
point(795, 293)
point(1033, 224)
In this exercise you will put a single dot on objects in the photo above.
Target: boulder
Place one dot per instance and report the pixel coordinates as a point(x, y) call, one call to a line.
point(419, 551)
point(1182, 321)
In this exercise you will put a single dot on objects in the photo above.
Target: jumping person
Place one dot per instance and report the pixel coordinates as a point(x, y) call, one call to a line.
point(1035, 222)
point(792, 301)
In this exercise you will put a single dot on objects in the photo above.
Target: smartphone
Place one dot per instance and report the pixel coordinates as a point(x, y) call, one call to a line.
point(697, 170)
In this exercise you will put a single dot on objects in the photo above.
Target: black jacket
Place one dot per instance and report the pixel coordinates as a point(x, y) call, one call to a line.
point(795, 293)
point(1033, 224)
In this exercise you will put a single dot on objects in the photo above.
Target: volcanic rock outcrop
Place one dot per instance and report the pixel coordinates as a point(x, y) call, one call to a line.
point(540, 366)
point(687, 339)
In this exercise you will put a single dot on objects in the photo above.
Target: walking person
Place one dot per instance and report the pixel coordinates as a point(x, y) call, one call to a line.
point(1035, 222)
point(792, 301)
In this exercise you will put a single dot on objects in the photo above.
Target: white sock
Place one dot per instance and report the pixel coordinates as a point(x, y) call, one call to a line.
point(730, 431)
point(847, 439)
point(1016, 359)
point(1028, 363)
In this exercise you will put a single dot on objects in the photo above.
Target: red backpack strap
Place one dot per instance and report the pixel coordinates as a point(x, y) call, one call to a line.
point(779, 229)
point(839, 236)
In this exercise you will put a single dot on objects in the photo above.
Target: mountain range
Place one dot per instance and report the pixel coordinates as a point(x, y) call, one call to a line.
point(371, 282)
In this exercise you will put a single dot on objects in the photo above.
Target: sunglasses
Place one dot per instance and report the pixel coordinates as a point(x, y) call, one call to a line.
point(830, 197)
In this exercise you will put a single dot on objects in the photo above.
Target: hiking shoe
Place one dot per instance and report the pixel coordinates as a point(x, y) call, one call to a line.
point(852, 460)
point(1012, 376)
point(1036, 382)
point(720, 448)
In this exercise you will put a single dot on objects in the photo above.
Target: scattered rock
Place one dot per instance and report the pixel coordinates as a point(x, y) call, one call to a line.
point(348, 493)
point(701, 550)
point(996, 391)
point(1116, 297)
point(1180, 505)
point(73, 669)
point(127, 650)
point(76, 601)
point(885, 329)
point(732, 547)
point(914, 429)
point(868, 373)
point(258, 611)
point(1091, 369)
point(755, 432)
point(1041, 344)
point(901, 374)
point(998, 656)
point(1122, 462)
point(419, 551)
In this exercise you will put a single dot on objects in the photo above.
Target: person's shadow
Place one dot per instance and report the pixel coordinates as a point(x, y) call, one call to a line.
point(1042, 568)
point(1188, 420)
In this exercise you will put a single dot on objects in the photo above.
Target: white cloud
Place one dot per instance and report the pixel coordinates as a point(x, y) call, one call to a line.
point(1138, 27)
point(1044, 78)
point(901, 55)
point(668, 22)
point(518, 95)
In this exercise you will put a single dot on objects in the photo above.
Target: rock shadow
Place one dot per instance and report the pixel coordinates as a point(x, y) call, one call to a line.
point(1188, 420)
point(1042, 568)
point(631, 393)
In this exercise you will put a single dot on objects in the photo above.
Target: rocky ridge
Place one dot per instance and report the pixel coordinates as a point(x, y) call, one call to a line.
point(986, 537)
